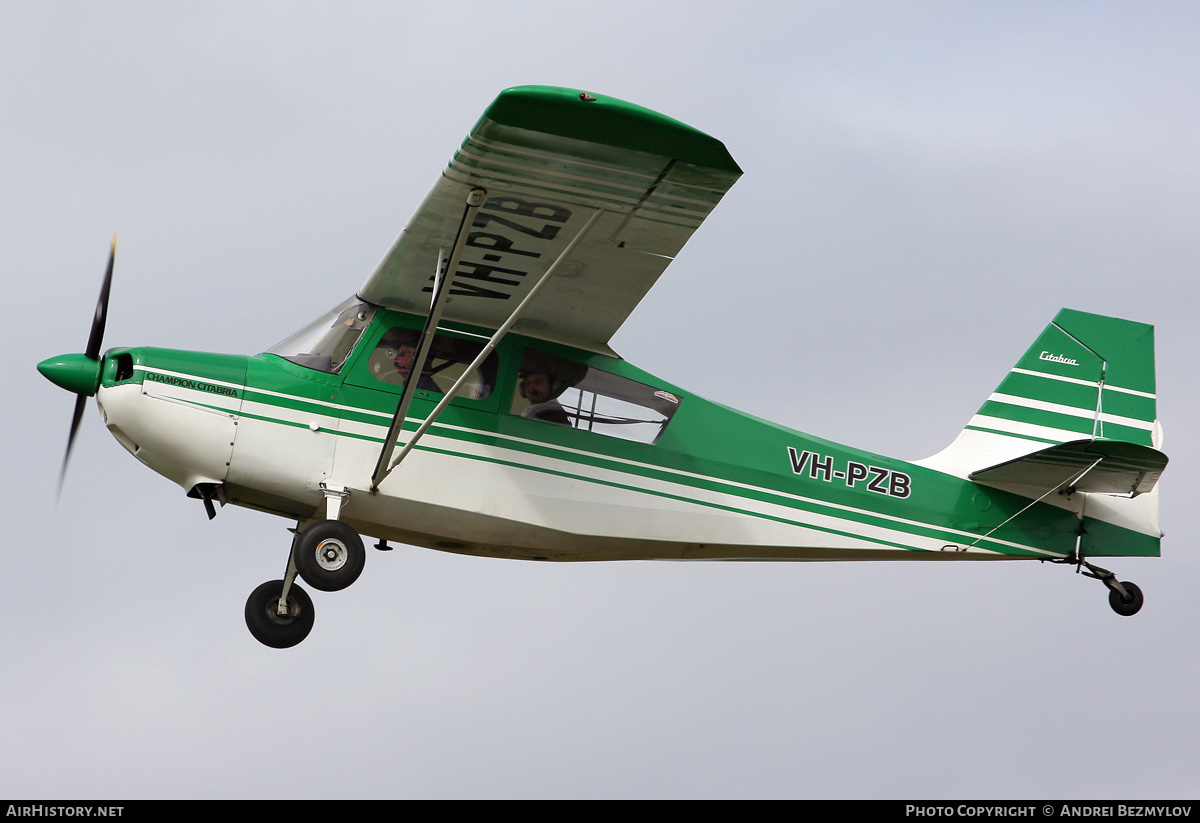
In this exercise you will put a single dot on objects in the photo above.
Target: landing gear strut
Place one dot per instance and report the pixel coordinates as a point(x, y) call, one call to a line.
point(328, 555)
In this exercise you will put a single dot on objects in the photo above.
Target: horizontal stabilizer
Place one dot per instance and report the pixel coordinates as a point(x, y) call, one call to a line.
point(1098, 466)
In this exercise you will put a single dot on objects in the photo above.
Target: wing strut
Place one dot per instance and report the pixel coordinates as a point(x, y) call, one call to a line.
point(441, 291)
point(377, 478)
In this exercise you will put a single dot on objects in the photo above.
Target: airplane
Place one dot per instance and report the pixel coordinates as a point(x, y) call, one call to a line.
point(525, 436)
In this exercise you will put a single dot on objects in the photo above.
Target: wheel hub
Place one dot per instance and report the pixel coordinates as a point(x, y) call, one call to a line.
point(331, 555)
point(291, 610)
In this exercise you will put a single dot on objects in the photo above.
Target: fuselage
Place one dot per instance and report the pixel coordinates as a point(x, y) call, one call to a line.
point(674, 476)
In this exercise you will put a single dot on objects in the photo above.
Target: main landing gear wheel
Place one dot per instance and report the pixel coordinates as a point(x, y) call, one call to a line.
point(269, 627)
point(1126, 607)
point(329, 555)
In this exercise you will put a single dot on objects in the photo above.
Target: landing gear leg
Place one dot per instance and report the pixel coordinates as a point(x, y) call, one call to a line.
point(1125, 598)
point(328, 555)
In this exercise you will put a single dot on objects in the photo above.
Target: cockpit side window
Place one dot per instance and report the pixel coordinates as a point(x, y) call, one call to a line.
point(325, 343)
point(560, 391)
point(392, 360)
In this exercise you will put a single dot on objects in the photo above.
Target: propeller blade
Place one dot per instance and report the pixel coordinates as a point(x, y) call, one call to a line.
point(95, 341)
point(96, 338)
point(80, 404)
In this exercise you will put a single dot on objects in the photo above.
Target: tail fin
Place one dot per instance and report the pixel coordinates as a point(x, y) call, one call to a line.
point(1086, 379)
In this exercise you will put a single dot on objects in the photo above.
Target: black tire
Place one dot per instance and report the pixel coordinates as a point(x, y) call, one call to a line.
point(1123, 607)
point(271, 629)
point(330, 555)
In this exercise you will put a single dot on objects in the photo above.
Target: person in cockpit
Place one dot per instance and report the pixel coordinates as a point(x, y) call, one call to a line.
point(400, 347)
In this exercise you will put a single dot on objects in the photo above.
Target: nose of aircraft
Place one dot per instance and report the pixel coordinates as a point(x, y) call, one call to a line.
point(80, 375)
point(77, 373)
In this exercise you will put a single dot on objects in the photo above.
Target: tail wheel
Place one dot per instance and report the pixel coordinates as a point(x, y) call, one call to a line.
point(329, 555)
point(1126, 606)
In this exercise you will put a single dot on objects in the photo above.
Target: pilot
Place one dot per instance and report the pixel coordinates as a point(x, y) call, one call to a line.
point(400, 346)
point(537, 386)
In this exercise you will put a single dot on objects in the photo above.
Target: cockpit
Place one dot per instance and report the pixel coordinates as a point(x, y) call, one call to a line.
point(326, 344)
point(545, 387)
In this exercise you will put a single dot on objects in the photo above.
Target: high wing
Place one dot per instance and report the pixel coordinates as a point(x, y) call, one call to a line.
point(548, 159)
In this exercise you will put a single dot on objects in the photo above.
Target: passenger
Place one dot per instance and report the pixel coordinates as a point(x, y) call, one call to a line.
point(537, 386)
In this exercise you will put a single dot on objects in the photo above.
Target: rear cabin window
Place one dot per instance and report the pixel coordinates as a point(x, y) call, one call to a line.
point(392, 359)
point(561, 392)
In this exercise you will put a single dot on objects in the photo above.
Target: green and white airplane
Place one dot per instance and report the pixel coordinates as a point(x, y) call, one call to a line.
point(525, 436)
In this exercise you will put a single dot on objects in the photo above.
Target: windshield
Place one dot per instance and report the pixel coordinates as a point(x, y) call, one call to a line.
point(325, 343)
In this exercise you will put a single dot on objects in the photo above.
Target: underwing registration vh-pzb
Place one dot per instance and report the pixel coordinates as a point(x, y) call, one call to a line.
point(466, 398)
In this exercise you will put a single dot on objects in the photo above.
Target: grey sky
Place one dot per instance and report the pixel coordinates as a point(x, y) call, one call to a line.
point(926, 185)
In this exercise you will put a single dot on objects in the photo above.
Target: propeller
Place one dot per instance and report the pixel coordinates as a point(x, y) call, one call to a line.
point(80, 373)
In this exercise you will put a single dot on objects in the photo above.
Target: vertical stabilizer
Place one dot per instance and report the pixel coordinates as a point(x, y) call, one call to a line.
point(1086, 378)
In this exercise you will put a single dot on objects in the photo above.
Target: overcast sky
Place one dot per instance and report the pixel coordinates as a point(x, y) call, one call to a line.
point(925, 185)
